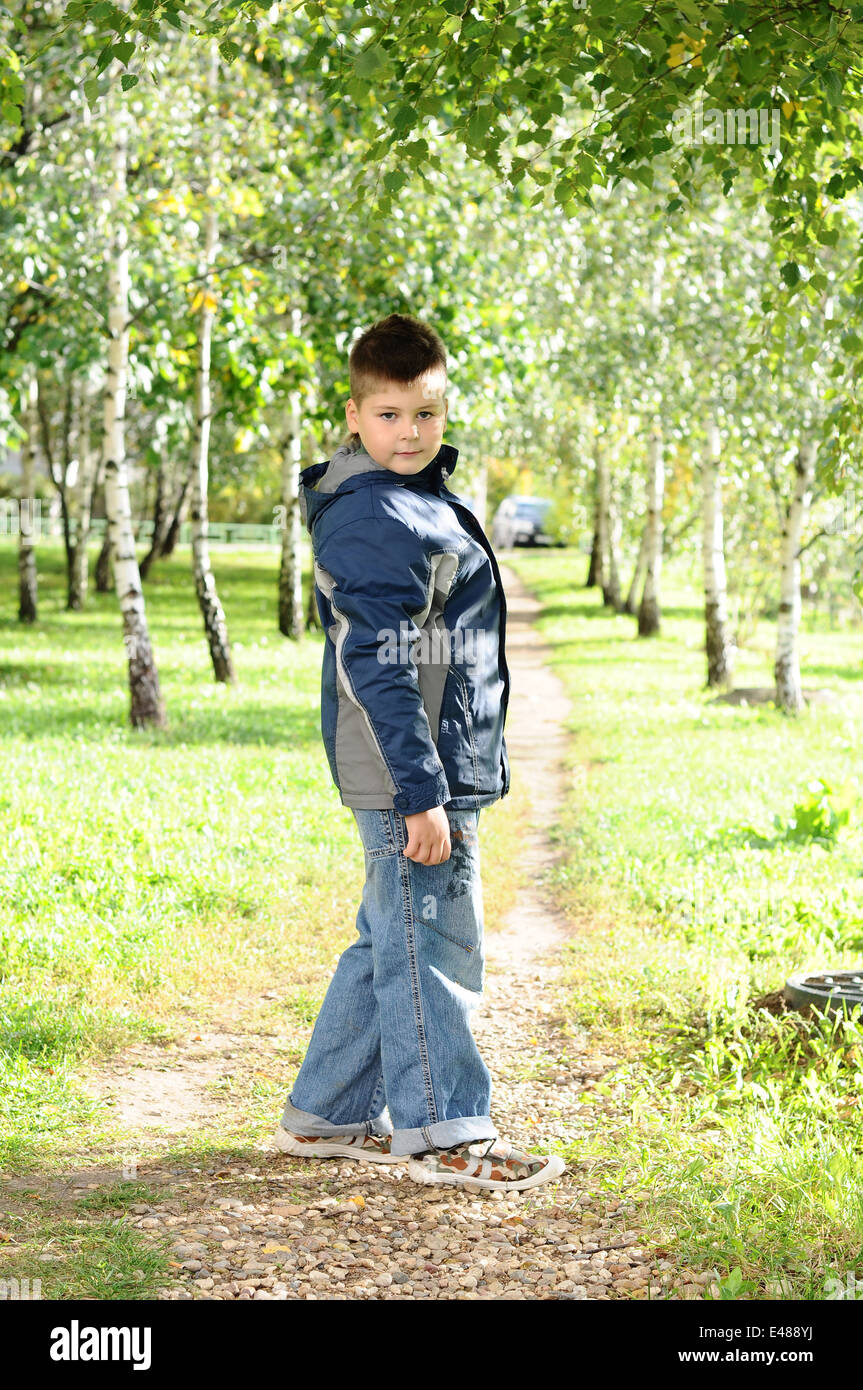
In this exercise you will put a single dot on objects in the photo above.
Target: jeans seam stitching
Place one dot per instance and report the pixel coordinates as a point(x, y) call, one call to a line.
point(407, 904)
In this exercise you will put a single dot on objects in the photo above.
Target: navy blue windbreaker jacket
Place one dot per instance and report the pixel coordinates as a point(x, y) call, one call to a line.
point(414, 682)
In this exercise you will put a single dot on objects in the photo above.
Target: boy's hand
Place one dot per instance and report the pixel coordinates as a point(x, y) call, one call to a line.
point(428, 836)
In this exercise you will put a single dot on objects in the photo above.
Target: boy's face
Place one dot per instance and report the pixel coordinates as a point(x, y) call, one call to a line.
point(401, 427)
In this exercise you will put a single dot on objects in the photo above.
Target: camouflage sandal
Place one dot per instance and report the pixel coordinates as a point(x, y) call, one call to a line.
point(488, 1163)
point(373, 1148)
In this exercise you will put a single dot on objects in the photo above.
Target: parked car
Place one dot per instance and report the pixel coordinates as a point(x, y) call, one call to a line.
point(520, 521)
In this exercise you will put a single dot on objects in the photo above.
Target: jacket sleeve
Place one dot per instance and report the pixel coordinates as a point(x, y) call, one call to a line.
point(381, 576)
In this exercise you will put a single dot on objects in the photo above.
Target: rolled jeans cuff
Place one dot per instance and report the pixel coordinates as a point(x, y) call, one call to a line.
point(303, 1122)
point(442, 1135)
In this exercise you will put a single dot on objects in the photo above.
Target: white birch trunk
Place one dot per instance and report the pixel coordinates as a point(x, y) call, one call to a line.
point(29, 514)
point(718, 645)
point(146, 702)
point(649, 610)
point(615, 531)
point(789, 694)
point(632, 599)
point(291, 616)
point(82, 498)
point(600, 458)
point(215, 625)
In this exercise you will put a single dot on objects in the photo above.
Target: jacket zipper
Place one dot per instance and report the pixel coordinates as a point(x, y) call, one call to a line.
point(476, 530)
point(473, 526)
point(474, 756)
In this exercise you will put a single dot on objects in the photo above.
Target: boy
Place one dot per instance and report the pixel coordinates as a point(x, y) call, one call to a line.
point(412, 717)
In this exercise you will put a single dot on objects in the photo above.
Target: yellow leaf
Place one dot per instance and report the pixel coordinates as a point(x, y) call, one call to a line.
point(359, 1200)
point(271, 1249)
point(246, 202)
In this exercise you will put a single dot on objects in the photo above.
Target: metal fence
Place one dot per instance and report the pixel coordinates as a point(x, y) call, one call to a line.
point(220, 532)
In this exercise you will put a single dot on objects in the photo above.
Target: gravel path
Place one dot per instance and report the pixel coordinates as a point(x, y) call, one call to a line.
point(277, 1228)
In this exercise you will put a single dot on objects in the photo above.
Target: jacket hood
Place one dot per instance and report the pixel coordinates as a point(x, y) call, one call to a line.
point(352, 467)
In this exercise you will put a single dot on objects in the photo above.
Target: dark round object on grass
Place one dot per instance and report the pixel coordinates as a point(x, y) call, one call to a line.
point(832, 992)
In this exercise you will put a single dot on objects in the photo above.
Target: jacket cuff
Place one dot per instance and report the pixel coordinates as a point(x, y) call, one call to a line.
point(434, 792)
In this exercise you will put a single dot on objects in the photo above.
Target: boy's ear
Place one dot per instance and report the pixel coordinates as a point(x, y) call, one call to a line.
point(351, 416)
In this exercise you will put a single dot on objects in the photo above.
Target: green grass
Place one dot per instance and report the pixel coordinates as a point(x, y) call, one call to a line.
point(155, 880)
point(695, 891)
point(158, 881)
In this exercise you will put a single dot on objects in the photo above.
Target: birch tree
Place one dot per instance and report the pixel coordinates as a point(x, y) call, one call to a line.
point(632, 598)
point(28, 512)
point(291, 615)
point(720, 650)
point(83, 486)
point(649, 609)
point(215, 625)
point(147, 707)
point(789, 694)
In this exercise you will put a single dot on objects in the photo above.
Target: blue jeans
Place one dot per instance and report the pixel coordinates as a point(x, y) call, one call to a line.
point(392, 1051)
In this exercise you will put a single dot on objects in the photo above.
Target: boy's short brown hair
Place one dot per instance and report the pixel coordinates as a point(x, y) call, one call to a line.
point(398, 348)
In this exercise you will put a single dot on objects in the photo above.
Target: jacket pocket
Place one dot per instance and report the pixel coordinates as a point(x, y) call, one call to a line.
point(456, 743)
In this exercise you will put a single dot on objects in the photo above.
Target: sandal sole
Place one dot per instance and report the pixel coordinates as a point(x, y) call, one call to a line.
point(286, 1144)
point(553, 1169)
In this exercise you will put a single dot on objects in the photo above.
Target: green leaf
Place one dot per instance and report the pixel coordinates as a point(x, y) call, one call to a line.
point(91, 89)
point(124, 50)
point(643, 173)
point(832, 83)
point(394, 180)
point(129, 79)
point(478, 125)
point(790, 273)
point(370, 61)
point(104, 57)
point(405, 119)
point(229, 50)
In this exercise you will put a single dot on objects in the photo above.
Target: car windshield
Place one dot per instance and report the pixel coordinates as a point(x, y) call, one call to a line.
point(531, 507)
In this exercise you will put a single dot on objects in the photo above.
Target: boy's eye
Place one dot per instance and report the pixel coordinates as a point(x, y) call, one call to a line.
point(387, 414)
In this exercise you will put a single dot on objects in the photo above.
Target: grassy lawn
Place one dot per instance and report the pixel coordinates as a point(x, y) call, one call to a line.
point(161, 882)
point(696, 891)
